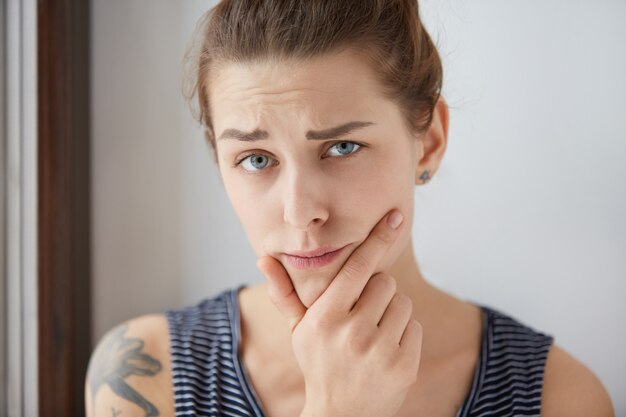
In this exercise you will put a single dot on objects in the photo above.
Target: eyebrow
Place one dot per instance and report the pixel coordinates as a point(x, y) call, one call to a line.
point(258, 134)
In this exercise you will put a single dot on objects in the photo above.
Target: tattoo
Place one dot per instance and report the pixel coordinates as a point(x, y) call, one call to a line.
point(115, 359)
point(425, 177)
point(114, 412)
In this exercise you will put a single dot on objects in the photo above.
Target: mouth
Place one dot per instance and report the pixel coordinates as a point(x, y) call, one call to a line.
point(314, 259)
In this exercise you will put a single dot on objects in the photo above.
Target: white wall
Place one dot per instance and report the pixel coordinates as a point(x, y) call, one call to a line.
point(526, 213)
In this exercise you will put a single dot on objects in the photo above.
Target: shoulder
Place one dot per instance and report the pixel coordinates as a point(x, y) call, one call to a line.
point(130, 372)
point(572, 389)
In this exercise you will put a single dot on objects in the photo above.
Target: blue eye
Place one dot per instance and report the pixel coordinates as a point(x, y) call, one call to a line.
point(258, 162)
point(345, 148)
point(254, 162)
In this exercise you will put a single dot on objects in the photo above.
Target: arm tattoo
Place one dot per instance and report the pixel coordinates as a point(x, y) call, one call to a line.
point(116, 359)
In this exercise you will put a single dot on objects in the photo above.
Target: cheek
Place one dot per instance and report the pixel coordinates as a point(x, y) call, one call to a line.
point(253, 217)
point(252, 222)
point(392, 187)
point(374, 190)
point(361, 197)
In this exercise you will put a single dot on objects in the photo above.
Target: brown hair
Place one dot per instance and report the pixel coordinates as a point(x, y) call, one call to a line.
point(389, 33)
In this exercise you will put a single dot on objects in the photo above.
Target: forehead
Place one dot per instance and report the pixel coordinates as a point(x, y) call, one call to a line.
point(322, 90)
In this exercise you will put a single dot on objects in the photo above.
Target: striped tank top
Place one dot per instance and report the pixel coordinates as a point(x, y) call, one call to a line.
point(210, 378)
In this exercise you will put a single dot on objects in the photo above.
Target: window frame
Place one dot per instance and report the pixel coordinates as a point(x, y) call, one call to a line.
point(63, 164)
point(45, 324)
point(19, 216)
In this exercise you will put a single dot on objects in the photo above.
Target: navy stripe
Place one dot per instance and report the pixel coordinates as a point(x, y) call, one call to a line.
point(210, 379)
point(515, 360)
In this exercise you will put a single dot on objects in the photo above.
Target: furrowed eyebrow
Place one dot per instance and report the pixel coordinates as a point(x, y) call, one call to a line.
point(336, 132)
point(326, 134)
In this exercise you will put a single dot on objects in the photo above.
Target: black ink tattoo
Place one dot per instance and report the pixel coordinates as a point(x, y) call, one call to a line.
point(115, 359)
point(425, 177)
point(114, 412)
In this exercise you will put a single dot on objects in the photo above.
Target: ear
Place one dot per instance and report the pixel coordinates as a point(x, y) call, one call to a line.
point(434, 142)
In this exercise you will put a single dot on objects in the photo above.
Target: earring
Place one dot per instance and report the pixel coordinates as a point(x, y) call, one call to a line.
point(425, 177)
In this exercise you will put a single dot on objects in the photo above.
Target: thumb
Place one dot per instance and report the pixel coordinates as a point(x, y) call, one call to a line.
point(281, 290)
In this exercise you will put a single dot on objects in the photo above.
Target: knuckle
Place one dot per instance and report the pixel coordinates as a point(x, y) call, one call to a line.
point(410, 374)
point(357, 340)
point(391, 282)
point(408, 362)
point(384, 236)
point(419, 330)
point(403, 302)
point(357, 265)
point(274, 298)
point(399, 363)
point(405, 367)
point(384, 281)
point(320, 323)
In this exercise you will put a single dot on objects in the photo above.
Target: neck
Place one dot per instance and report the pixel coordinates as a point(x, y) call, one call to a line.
point(427, 299)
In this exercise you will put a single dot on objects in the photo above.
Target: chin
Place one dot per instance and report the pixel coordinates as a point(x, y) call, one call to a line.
point(310, 288)
point(311, 284)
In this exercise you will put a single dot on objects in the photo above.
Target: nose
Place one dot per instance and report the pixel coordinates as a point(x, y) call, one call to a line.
point(305, 201)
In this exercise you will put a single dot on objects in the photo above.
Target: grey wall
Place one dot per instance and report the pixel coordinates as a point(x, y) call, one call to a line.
point(525, 214)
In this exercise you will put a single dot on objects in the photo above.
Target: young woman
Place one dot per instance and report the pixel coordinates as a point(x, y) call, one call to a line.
point(323, 116)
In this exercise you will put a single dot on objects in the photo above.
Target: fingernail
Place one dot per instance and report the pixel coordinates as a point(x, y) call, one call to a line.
point(395, 219)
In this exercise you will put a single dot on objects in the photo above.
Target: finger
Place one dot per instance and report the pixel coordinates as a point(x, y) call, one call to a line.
point(411, 350)
point(281, 291)
point(375, 298)
point(396, 317)
point(411, 342)
point(344, 291)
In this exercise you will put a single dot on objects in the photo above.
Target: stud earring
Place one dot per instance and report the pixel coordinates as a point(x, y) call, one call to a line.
point(425, 177)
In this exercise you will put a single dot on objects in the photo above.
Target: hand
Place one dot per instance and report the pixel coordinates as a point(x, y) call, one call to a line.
point(357, 345)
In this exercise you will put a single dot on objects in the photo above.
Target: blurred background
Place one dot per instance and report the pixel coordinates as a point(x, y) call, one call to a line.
point(526, 213)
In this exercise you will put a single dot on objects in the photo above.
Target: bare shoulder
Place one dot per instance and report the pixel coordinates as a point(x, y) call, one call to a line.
point(571, 389)
point(129, 371)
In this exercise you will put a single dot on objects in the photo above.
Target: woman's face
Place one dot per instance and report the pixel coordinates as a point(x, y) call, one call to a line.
point(296, 182)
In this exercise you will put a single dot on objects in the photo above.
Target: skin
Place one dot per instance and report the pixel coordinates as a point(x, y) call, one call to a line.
point(308, 196)
point(356, 332)
point(313, 197)
point(129, 371)
point(301, 201)
point(310, 199)
point(119, 358)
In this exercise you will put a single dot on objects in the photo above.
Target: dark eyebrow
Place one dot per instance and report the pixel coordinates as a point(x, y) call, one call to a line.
point(259, 134)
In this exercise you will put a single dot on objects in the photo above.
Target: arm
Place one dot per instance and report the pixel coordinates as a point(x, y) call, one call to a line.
point(129, 371)
point(571, 389)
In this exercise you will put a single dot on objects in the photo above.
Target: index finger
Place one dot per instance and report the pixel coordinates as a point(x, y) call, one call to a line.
point(344, 291)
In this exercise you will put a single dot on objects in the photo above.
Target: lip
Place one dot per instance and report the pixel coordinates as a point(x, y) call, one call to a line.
point(314, 253)
point(313, 259)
